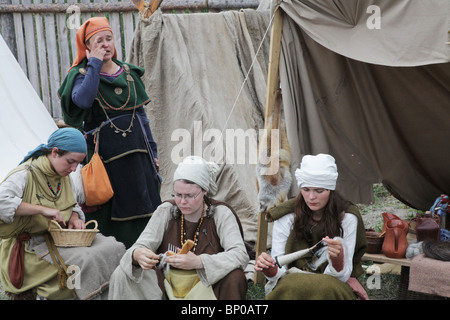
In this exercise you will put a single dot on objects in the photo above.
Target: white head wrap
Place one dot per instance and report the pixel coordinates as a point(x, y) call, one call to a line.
point(199, 171)
point(317, 172)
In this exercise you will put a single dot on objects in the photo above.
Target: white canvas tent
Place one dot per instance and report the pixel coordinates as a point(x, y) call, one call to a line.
point(24, 122)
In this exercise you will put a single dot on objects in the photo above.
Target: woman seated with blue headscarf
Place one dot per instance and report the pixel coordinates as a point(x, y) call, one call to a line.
point(38, 190)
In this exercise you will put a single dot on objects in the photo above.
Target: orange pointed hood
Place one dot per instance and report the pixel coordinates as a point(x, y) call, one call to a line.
point(86, 31)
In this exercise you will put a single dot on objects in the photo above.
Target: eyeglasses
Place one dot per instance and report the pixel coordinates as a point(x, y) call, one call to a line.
point(185, 196)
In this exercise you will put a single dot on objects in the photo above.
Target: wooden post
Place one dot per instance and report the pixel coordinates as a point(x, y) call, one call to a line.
point(147, 9)
point(273, 78)
point(273, 81)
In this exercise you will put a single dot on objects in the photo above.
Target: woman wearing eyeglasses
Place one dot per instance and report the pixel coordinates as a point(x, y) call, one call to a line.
point(212, 269)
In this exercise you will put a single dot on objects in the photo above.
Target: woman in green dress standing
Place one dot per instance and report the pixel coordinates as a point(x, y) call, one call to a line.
point(105, 98)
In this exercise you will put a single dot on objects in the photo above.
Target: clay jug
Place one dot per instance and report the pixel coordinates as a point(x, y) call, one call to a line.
point(387, 216)
point(395, 242)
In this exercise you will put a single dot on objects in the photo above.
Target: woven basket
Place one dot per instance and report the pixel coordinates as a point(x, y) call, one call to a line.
point(72, 237)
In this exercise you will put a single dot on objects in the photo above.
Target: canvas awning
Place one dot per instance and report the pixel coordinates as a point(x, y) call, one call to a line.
point(378, 100)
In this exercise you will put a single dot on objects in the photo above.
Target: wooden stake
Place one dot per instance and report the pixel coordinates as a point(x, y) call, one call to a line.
point(145, 9)
point(273, 78)
point(273, 81)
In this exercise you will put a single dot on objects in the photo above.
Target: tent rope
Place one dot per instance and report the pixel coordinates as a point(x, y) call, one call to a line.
point(247, 75)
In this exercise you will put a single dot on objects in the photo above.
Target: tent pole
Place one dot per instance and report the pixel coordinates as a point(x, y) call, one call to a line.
point(272, 87)
point(147, 9)
point(273, 78)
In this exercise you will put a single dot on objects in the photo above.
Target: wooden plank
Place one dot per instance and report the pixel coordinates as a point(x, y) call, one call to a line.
point(63, 44)
point(128, 32)
point(140, 5)
point(85, 7)
point(261, 243)
point(43, 66)
point(379, 257)
point(101, 13)
point(85, 15)
point(7, 28)
point(127, 6)
point(30, 49)
point(73, 23)
point(114, 21)
point(53, 63)
point(20, 41)
point(272, 87)
point(273, 78)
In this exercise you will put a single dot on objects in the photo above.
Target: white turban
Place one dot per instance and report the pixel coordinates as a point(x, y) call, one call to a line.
point(317, 172)
point(199, 171)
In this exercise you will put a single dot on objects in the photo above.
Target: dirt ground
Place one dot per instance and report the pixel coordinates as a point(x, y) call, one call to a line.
point(384, 202)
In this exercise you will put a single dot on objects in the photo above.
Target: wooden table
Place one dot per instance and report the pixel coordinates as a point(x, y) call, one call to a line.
point(403, 292)
point(381, 258)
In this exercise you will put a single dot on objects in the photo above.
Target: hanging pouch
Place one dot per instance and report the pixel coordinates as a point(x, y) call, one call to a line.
point(97, 187)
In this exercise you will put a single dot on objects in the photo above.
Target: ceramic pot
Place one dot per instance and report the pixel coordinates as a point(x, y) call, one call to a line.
point(374, 241)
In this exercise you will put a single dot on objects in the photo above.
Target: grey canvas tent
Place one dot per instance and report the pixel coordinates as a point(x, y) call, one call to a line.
point(206, 77)
point(369, 82)
point(366, 81)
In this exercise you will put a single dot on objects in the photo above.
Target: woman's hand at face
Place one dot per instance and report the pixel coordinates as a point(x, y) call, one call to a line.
point(96, 49)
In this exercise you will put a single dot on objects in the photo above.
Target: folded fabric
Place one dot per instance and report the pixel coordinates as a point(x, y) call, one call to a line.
point(429, 276)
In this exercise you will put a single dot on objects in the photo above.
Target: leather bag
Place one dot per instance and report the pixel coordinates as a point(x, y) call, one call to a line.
point(96, 183)
point(16, 261)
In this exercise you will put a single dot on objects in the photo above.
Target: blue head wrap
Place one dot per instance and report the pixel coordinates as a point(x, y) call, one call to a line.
point(68, 139)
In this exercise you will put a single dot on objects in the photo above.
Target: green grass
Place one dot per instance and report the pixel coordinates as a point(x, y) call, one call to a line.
point(255, 291)
point(388, 288)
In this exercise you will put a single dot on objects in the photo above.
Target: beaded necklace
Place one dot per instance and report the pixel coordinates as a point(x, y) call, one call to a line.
point(130, 79)
point(57, 188)
point(197, 231)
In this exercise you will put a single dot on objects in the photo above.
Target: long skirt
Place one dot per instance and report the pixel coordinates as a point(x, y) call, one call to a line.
point(300, 286)
point(130, 165)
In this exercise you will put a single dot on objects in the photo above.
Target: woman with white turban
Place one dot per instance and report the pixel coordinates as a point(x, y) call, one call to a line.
point(317, 214)
point(213, 269)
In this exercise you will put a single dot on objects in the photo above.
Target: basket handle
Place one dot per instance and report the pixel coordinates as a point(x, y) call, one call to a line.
point(93, 221)
point(52, 224)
